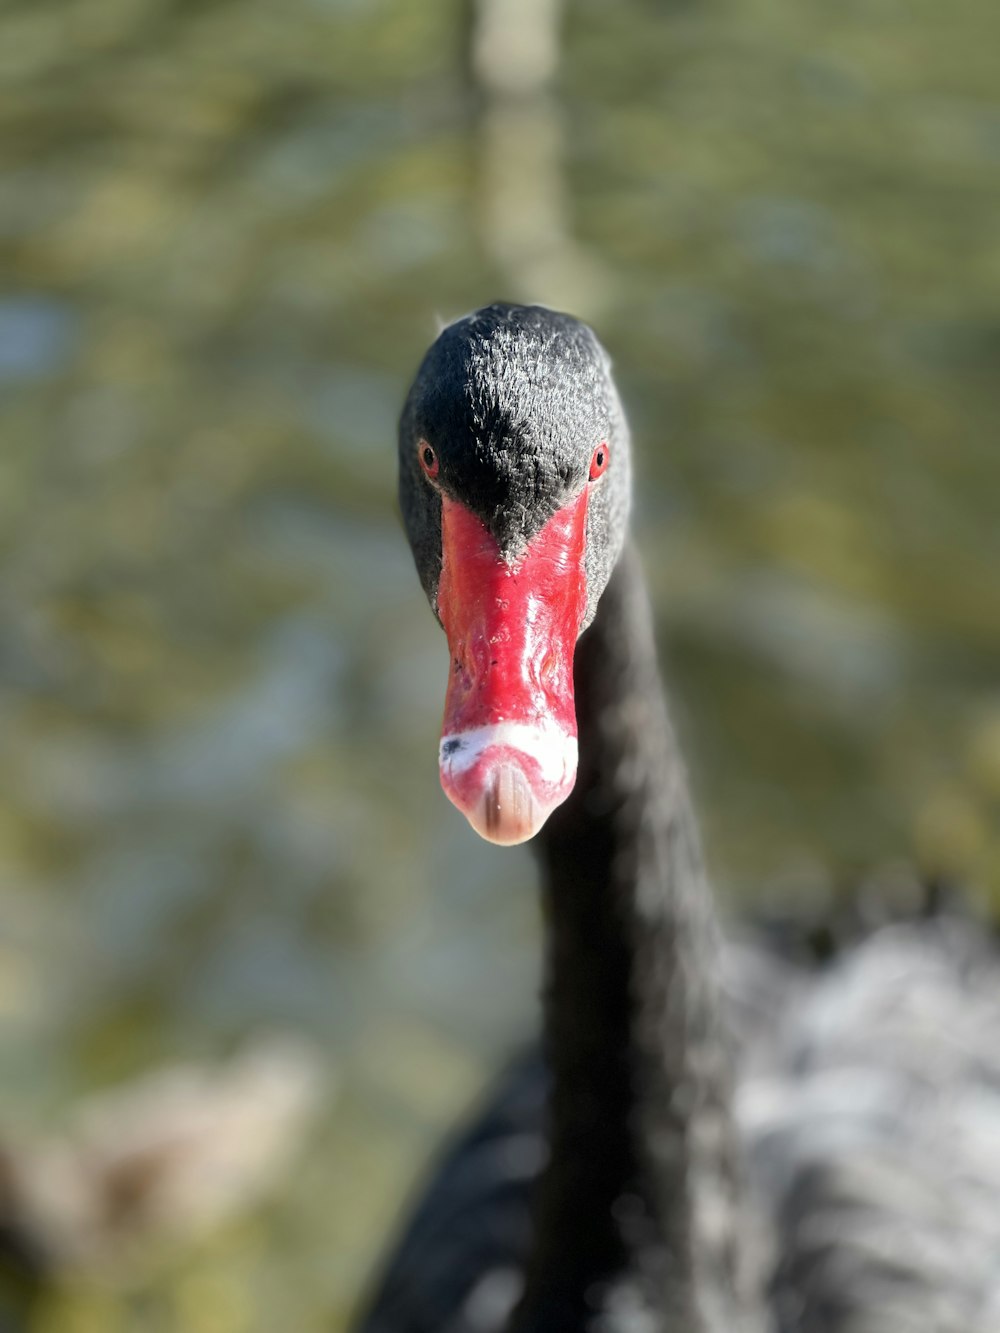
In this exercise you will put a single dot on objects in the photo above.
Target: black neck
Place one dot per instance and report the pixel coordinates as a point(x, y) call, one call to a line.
point(641, 1143)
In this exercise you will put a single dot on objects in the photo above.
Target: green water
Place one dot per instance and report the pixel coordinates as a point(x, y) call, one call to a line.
point(226, 234)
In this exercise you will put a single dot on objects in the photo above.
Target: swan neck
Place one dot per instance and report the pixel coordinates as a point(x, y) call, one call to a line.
point(637, 1208)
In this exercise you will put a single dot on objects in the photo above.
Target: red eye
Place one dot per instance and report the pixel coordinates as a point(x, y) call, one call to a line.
point(599, 461)
point(428, 459)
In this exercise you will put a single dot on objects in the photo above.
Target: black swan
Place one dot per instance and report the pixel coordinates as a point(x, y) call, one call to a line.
point(833, 1167)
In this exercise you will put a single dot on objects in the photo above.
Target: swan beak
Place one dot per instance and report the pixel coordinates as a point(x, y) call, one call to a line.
point(509, 743)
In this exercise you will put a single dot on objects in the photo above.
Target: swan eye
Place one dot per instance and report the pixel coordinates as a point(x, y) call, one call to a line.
point(599, 462)
point(429, 460)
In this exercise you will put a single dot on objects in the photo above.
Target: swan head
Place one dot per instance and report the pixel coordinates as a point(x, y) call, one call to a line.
point(514, 487)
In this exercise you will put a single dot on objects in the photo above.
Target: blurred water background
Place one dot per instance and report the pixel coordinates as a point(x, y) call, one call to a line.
point(226, 234)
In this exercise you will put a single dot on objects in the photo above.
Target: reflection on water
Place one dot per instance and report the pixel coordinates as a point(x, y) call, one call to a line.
point(225, 238)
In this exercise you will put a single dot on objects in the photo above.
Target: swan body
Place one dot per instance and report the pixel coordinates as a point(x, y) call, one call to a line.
point(707, 1140)
point(869, 1111)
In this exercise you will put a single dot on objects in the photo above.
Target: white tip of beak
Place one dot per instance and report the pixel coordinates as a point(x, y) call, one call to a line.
point(507, 779)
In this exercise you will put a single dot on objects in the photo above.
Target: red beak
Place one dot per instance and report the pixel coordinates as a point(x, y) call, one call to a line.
point(508, 742)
